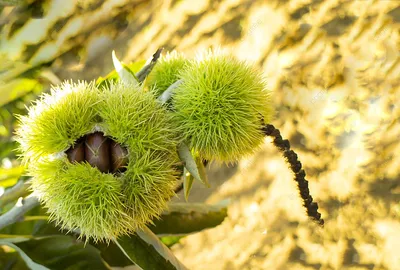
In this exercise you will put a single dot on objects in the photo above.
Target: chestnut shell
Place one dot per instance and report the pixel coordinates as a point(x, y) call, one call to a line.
point(100, 152)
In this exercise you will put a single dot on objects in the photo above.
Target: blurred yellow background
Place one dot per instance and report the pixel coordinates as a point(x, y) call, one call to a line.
point(334, 69)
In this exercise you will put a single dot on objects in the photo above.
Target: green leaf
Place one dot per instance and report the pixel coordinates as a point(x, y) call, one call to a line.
point(33, 225)
point(10, 259)
point(29, 262)
point(16, 239)
point(112, 254)
point(169, 92)
point(10, 176)
point(143, 73)
point(202, 171)
point(125, 74)
point(62, 252)
point(115, 257)
point(190, 164)
point(136, 66)
point(185, 218)
point(187, 183)
point(147, 251)
point(113, 75)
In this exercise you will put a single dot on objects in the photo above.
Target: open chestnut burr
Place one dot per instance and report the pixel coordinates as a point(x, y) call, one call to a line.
point(100, 152)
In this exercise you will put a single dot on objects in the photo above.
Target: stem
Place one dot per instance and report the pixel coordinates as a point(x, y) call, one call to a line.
point(17, 212)
point(20, 189)
point(296, 167)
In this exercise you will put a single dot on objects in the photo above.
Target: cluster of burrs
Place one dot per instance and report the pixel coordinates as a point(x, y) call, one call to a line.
point(131, 135)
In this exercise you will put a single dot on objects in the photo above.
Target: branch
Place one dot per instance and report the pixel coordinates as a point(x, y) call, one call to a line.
point(20, 189)
point(296, 167)
point(17, 212)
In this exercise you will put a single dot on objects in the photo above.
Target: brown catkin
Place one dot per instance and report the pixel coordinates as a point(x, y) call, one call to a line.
point(296, 167)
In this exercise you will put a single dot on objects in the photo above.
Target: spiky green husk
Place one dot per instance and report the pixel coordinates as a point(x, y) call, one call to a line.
point(57, 120)
point(80, 196)
point(102, 206)
point(166, 72)
point(220, 105)
point(134, 116)
point(135, 119)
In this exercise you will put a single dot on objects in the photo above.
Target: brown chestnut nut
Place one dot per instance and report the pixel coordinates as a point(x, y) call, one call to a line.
point(119, 156)
point(76, 153)
point(97, 151)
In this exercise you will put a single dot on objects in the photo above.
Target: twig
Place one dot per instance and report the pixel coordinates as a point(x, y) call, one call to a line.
point(142, 74)
point(17, 212)
point(18, 190)
point(296, 167)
